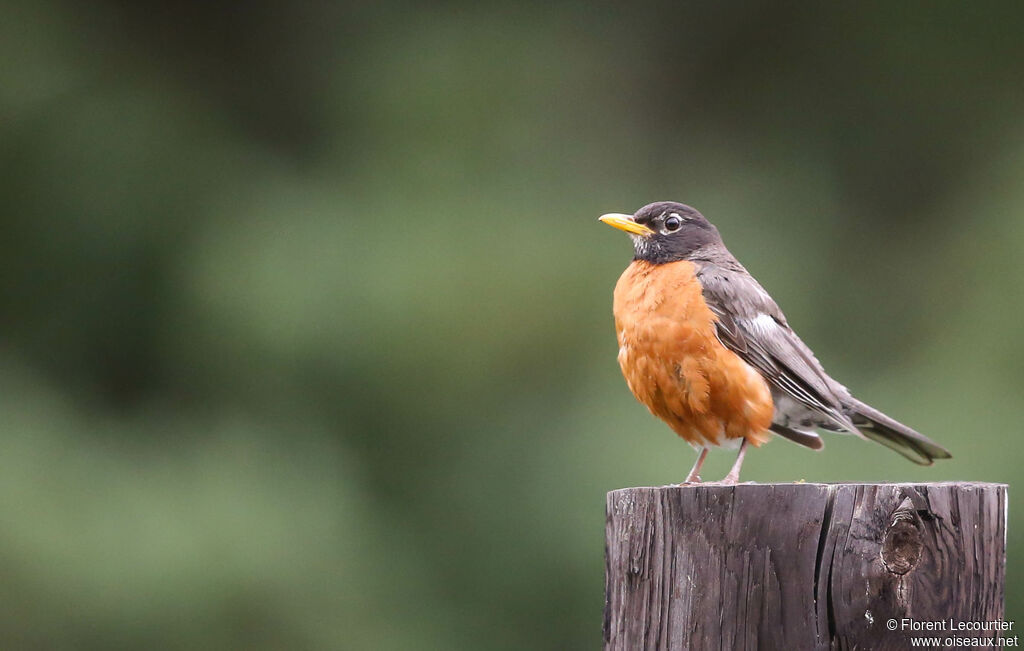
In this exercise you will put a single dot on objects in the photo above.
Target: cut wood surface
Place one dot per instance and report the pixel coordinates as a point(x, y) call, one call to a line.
point(801, 566)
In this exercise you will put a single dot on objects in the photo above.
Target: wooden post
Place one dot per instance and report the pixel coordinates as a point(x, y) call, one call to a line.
point(803, 566)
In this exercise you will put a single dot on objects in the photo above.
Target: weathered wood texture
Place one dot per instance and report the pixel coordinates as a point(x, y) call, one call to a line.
point(800, 566)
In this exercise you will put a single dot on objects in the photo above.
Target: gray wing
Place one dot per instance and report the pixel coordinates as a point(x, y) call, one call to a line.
point(751, 325)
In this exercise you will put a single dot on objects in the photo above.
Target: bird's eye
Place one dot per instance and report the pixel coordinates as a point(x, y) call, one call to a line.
point(673, 223)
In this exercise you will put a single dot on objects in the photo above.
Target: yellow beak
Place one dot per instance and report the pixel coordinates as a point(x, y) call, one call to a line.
point(625, 223)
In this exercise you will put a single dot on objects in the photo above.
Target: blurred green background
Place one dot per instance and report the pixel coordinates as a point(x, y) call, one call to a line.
point(306, 335)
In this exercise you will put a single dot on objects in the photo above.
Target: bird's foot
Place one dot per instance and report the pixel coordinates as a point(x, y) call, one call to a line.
point(693, 478)
point(730, 480)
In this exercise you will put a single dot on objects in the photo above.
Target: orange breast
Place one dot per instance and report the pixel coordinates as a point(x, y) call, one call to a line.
point(674, 364)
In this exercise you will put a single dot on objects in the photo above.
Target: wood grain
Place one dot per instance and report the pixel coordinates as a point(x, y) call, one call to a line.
point(800, 566)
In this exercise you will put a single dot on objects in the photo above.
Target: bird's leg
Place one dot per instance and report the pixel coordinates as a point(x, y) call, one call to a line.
point(734, 475)
point(693, 477)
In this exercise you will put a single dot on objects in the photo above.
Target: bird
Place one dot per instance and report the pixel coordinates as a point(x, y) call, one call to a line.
point(708, 351)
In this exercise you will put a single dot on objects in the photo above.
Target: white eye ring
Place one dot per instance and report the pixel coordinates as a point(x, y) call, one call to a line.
point(676, 224)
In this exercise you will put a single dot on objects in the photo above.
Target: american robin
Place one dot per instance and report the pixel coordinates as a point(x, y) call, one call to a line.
point(705, 348)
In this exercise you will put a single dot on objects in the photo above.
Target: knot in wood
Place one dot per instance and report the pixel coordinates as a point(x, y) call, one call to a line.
point(902, 544)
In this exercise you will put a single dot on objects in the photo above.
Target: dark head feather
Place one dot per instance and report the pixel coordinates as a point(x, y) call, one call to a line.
point(680, 233)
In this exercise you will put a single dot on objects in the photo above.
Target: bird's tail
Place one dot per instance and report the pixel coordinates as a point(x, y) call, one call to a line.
point(878, 427)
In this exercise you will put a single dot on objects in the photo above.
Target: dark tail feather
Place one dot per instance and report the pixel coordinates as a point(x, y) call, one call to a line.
point(810, 439)
point(894, 435)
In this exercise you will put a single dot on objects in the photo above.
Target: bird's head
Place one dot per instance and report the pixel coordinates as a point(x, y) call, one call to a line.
point(666, 231)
